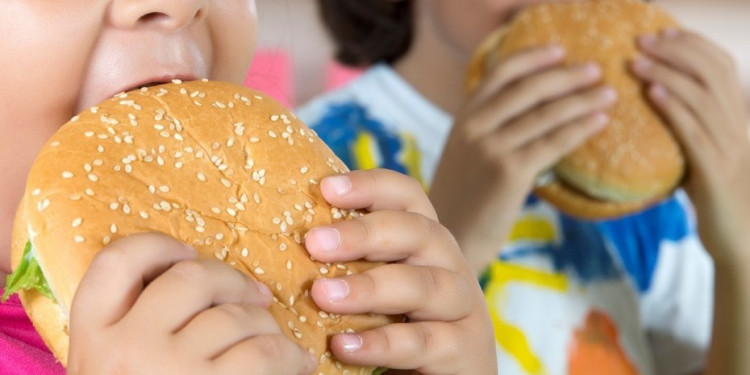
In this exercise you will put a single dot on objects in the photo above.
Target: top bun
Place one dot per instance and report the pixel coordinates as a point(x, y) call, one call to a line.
point(223, 168)
point(635, 160)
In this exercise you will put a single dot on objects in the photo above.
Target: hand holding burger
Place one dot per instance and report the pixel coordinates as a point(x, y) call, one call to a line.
point(635, 161)
point(231, 174)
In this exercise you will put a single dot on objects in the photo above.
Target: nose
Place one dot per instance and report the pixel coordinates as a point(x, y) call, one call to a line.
point(167, 15)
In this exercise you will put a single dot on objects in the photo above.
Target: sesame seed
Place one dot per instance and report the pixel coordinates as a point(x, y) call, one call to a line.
point(231, 212)
point(77, 222)
point(106, 240)
point(304, 170)
point(152, 189)
point(113, 228)
point(244, 252)
point(259, 271)
point(144, 214)
point(200, 229)
point(79, 239)
point(272, 134)
point(36, 192)
point(216, 210)
point(89, 192)
point(93, 177)
point(165, 205)
point(201, 177)
point(289, 264)
point(113, 206)
point(164, 189)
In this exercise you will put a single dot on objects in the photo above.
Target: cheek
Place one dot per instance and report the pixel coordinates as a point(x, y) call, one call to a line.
point(41, 65)
point(233, 35)
point(466, 23)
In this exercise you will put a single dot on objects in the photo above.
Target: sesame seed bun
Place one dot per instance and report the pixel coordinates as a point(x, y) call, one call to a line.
point(223, 168)
point(635, 161)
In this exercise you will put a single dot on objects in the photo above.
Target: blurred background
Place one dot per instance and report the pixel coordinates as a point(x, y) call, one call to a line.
point(294, 57)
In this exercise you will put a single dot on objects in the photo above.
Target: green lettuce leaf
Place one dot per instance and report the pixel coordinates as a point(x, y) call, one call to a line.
point(27, 276)
point(379, 371)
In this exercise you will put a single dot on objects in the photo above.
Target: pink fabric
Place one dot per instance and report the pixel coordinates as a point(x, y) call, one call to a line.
point(272, 73)
point(22, 351)
point(338, 75)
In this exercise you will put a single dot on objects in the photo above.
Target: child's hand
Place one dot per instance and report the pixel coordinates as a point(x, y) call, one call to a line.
point(148, 306)
point(448, 329)
point(696, 87)
point(527, 115)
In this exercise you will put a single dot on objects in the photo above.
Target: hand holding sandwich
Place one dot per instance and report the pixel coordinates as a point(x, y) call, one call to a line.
point(529, 112)
point(694, 84)
point(178, 314)
point(148, 306)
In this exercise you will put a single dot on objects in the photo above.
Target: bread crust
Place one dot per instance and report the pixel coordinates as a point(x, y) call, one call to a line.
point(221, 167)
point(635, 159)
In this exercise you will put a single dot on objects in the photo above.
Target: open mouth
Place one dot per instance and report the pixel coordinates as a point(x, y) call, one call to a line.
point(158, 81)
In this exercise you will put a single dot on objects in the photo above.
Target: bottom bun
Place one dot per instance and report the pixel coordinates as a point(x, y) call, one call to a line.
point(576, 204)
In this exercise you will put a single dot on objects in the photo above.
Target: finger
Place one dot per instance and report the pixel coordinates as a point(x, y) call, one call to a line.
point(556, 114)
point(687, 90)
point(517, 66)
point(546, 151)
point(427, 347)
point(265, 355)
point(683, 122)
point(695, 56)
point(190, 287)
point(433, 293)
point(387, 236)
point(377, 189)
point(223, 326)
point(529, 93)
point(118, 274)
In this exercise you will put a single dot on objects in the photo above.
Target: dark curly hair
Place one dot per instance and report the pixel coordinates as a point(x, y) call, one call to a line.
point(368, 31)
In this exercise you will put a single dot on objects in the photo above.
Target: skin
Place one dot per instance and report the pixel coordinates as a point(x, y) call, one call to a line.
point(211, 318)
point(531, 110)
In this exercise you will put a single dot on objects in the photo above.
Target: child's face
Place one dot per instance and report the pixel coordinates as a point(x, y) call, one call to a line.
point(464, 24)
point(58, 57)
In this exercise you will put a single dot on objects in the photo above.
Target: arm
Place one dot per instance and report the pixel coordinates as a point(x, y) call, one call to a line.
point(695, 86)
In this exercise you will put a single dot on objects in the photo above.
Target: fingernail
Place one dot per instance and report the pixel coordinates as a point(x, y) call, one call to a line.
point(351, 342)
point(671, 32)
point(339, 184)
point(601, 119)
point(592, 70)
point(323, 239)
point(263, 288)
point(642, 64)
point(556, 51)
point(609, 95)
point(658, 91)
point(647, 40)
point(312, 358)
point(335, 289)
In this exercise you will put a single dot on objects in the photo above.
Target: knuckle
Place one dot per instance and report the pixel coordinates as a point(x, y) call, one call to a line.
point(232, 312)
point(273, 346)
point(191, 270)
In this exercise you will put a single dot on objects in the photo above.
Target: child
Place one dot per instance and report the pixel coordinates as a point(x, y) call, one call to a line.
point(632, 295)
point(60, 57)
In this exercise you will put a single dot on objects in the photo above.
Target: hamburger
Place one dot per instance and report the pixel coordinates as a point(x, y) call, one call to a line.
point(635, 161)
point(221, 167)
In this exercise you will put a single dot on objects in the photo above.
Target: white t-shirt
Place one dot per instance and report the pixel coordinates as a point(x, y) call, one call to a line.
point(627, 296)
